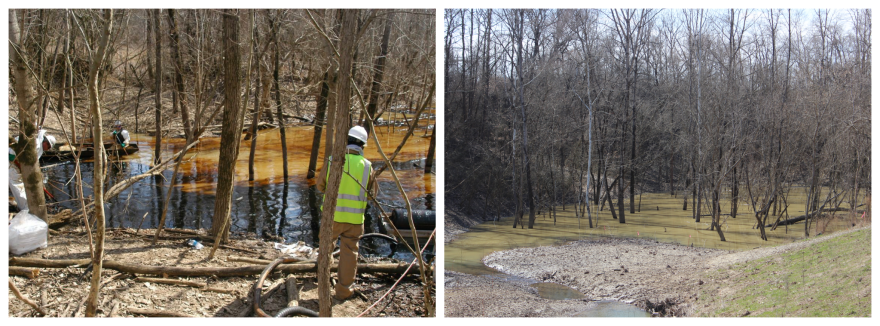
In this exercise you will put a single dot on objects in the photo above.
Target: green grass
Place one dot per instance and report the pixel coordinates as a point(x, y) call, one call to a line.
point(827, 279)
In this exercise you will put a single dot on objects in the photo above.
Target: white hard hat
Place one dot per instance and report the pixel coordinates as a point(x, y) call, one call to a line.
point(359, 133)
point(51, 140)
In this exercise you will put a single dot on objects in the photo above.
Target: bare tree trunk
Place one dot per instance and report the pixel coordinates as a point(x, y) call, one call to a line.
point(157, 27)
point(178, 74)
point(230, 133)
point(346, 45)
point(95, 64)
point(280, 112)
point(429, 160)
point(620, 213)
point(379, 68)
point(320, 117)
point(26, 148)
point(255, 119)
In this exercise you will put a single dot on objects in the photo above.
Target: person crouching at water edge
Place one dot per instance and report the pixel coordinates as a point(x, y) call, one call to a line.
point(44, 142)
point(351, 204)
point(120, 136)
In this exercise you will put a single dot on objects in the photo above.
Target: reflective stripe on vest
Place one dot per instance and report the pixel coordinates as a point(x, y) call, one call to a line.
point(351, 201)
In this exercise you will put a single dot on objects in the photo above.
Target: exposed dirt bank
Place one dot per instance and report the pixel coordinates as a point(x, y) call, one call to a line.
point(455, 223)
point(61, 292)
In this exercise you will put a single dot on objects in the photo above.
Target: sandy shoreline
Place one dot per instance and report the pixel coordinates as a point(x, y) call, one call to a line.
point(635, 271)
point(493, 296)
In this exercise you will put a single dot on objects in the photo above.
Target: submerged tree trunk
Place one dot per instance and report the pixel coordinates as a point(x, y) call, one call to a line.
point(429, 160)
point(276, 59)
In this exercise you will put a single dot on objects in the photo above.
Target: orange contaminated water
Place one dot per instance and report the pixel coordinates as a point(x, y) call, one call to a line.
point(269, 205)
point(201, 161)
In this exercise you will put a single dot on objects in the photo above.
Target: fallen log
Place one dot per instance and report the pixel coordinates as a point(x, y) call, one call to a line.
point(24, 271)
point(238, 259)
point(794, 220)
point(156, 313)
point(199, 271)
point(292, 292)
point(48, 263)
point(61, 219)
point(200, 285)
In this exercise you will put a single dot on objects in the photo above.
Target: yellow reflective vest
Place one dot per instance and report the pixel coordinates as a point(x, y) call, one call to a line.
point(351, 202)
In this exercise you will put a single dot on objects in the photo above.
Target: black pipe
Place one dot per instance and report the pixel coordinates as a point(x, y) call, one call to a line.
point(423, 219)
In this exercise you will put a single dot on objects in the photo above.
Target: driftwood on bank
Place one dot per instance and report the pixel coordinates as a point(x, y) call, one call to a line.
point(24, 271)
point(200, 285)
point(61, 219)
point(156, 313)
point(260, 261)
point(199, 271)
point(292, 292)
point(794, 220)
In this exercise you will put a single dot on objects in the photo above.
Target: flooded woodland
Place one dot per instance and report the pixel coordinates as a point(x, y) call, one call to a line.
point(216, 127)
point(269, 205)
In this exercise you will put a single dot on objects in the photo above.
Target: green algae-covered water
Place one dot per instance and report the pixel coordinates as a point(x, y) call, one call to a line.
point(661, 218)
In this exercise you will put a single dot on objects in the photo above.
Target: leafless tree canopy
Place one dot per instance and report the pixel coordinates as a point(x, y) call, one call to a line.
point(694, 102)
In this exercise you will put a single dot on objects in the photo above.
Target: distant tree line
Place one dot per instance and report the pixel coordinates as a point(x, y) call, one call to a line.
point(697, 103)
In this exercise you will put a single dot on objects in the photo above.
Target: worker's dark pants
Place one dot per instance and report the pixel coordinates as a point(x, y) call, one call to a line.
point(348, 253)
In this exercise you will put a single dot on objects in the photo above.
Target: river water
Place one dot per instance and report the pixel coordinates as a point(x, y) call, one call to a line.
point(269, 205)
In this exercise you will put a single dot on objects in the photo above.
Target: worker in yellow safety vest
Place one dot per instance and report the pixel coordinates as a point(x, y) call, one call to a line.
point(351, 204)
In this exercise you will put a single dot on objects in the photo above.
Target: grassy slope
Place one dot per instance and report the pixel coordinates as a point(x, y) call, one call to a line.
point(828, 279)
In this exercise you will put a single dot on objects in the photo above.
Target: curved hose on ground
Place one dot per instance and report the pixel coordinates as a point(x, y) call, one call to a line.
point(296, 311)
point(380, 235)
point(258, 289)
point(389, 238)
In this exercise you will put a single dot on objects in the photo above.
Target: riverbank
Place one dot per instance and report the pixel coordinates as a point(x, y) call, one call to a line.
point(61, 292)
point(664, 279)
point(495, 296)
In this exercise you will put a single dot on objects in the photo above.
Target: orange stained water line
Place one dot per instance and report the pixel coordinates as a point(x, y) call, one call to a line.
point(200, 164)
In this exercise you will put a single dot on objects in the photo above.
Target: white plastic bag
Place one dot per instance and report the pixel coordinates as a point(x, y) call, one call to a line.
point(27, 233)
point(300, 249)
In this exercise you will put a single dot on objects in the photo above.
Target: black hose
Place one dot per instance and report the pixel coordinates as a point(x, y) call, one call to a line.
point(383, 236)
point(380, 235)
point(296, 311)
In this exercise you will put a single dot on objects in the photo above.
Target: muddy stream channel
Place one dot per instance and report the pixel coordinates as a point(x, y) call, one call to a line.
point(660, 218)
point(269, 207)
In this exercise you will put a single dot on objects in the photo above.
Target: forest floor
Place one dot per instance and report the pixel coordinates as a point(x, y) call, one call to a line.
point(62, 292)
point(670, 279)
